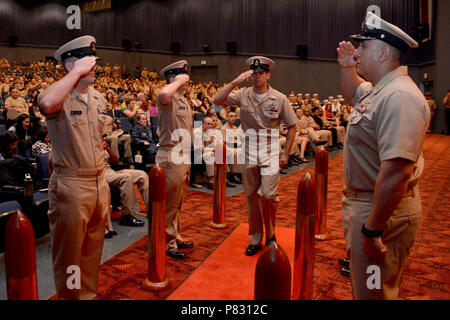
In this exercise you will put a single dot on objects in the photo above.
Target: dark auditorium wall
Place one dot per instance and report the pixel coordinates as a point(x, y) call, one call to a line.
point(258, 26)
point(272, 28)
point(440, 73)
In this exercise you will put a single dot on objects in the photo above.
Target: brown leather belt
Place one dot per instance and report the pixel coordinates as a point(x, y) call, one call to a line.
point(80, 171)
point(368, 195)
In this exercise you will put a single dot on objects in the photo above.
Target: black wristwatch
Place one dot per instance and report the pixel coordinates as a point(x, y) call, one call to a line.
point(370, 233)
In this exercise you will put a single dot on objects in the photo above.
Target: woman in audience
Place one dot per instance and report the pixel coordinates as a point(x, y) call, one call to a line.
point(142, 136)
point(145, 109)
point(42, 145)
point(205, 105)
point(25, 133)
point(130, 111)
point(196, 100)
point(109, 99)
point(328, 113)
point(153, 108)
point(8, 145)
point(115, 104)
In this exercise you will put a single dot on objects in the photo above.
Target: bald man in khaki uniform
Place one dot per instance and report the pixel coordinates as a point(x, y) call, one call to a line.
point(381, 208)
point(316, 134)
point(234, 143)
point(78, 193)
point(174, 151)
point(262, 107)
point(15, 105)
point(114, 136)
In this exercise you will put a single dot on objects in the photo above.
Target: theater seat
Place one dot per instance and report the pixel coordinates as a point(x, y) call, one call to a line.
point(42, 163)
point(39, 213)
point(115, 197)
point(126, 125)
point(6, 210)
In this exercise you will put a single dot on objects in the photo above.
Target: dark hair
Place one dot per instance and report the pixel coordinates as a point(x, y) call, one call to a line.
point(314, 109)
point(20, 119)
point(42, 133)
point(208, 112)
point(21, 133)
point(6, 139)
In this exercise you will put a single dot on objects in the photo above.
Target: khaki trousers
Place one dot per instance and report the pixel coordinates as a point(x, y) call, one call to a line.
point(325, 135)
point(114, 142)
point(313, 136)
point(177, 181)
point(78, 207)
point(340, 131)
point(295, 150)
point(398, 238)
point(125, 180)
point(261, 194)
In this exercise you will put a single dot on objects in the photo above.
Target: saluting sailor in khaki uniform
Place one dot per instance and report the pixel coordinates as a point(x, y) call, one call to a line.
point(78, 192)
point(381, 210)
point(175, 113)
point(262, 108)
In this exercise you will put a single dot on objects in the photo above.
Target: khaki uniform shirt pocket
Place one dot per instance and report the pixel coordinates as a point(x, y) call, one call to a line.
point(77, 117)
point(182, 111)
point(272, 114)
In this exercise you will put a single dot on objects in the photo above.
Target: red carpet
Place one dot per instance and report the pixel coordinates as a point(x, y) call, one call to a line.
point(228, 271)
point(426, 275)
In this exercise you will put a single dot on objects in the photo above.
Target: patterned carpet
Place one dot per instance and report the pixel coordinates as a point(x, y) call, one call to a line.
point(426, 275)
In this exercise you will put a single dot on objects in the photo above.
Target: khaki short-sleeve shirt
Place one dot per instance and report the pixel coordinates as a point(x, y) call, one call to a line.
point(75, 132)
point(303, 123)
point(388, 121)
point(266, 114)
point(261, 117)
point(19, 104)
point(173, 116)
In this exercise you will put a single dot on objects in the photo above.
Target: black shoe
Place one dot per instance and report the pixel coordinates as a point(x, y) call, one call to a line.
point(345, 272)
point(339, 146)
point(130, 221)
point(253, 249)
point(108, 235)
point(293, 161)
point(236, 179)
point(329, 148)
point(128, 161)
point(111, 232)
point(210, 185)
point(185, 245)
point(344, 262)
point(283, 171)
point(230, 184)
point(175, 253)
point(270, 240)
point(319, 143)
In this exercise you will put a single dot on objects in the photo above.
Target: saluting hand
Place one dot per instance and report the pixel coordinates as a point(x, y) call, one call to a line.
point(374, 249)
point(242, 77)
point(183, 78)
point(346, 54)
point(85, 65)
